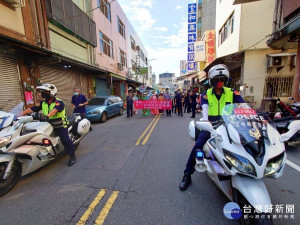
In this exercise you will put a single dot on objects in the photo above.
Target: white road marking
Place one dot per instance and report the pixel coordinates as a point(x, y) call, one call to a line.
point(296, 167)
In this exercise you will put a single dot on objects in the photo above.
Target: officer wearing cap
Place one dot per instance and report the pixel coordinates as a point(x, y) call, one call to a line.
point(212, 101)
point(54, 111)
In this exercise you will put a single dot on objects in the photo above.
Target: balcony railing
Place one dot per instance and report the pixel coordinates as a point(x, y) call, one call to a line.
point(68, 16)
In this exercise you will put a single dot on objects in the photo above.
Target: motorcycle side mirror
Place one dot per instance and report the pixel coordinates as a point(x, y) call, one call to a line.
point(293, 127)
point(207, 126)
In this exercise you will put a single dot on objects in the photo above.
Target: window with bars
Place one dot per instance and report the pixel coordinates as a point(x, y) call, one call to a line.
point(106, 45)
point(132, 43)
point(282, 86)
point(121, 27)
point(123, 58)
point(227, 29)
point(104, 6)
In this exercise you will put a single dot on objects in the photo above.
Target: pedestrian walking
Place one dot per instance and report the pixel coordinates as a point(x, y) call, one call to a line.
point(154, 98)
point(179, 99)
point(129, 103)
point(187, 102)
point(193, 101)
point(167, 97)
point(135, 111)
point(161, 98)
point(79, 102)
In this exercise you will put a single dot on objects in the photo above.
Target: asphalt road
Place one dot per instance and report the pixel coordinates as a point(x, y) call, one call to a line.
point(115, 181)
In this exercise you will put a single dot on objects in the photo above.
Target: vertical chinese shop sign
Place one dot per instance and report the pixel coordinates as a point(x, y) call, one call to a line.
point(210, 46)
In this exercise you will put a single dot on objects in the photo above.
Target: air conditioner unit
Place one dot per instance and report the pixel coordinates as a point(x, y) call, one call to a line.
point(16, 3)
point(120, 66)
point(275, 61)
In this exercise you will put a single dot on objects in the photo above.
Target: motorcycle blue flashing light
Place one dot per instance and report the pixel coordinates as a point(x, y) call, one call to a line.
point(200, 155)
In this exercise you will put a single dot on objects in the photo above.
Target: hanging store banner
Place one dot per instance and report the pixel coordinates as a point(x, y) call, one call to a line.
point(191, 66)
point(191, 47)
point(142, 88)
point(210, 46)
point(191, 57)
point(199, 51)
point(150, 104)
point(192, 8)
point(192, 28)
point(192, 35)
point(143, 70)
point(183, 67)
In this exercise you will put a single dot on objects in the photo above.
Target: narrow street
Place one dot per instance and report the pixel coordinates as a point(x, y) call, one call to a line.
point(122, 176)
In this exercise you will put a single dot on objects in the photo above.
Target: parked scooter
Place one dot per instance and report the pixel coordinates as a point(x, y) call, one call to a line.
point(242, 150)
point(286, 110)
point(28, 144)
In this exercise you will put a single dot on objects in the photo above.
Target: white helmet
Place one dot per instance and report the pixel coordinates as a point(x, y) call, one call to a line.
point(48, 87)
point(218, 70)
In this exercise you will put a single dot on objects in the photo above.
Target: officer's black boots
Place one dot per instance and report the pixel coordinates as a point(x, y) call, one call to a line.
point(72, 160)
point(186, 181)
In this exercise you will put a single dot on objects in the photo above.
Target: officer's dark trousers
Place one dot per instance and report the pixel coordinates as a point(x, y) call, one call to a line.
point(201, 140)
point(129, 110)
point(186, 107)
point(193, 105)
point(65, 139)
point(179, 108)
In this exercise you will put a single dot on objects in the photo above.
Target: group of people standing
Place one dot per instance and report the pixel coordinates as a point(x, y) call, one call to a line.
point(188, 100)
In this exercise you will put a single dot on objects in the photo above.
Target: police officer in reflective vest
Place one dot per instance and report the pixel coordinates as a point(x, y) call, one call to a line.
point(212, 101)
point(54, 111)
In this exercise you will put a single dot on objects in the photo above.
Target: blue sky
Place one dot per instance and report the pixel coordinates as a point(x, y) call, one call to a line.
point(162, 27)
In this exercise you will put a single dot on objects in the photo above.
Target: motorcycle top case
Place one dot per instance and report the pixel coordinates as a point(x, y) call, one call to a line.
point(83, 126)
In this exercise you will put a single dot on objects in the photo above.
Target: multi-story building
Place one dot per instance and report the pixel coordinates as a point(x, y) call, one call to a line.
point(21, 46)
point(167, 79)
point(206, 17)
point(80, 43)
point(240, 44)
point(286, 35)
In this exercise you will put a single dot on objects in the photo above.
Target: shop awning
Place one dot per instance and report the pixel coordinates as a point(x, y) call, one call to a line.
point(137, 83)
point(191, 75)
point(117, 77)
point(231, 61)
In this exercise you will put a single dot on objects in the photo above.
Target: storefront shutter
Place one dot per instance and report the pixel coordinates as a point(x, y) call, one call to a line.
point(101, 87)
point(10, 91)
point(65, 80)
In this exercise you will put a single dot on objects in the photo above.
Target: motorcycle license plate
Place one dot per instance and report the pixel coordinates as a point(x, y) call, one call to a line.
point(1, 120)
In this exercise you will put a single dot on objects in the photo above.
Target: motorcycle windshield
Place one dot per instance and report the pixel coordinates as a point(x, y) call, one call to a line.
point(245, 120)
point(5, 119)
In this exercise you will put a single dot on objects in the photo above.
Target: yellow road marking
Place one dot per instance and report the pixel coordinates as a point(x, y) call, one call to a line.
point(104, 212)
point(91, 208)
point(140, 138)
point(148, 135)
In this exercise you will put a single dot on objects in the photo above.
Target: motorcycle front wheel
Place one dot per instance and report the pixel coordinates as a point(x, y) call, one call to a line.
point(8, 184)
point(263, 218)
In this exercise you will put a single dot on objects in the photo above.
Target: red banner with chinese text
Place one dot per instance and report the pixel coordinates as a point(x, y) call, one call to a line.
point(150, 104)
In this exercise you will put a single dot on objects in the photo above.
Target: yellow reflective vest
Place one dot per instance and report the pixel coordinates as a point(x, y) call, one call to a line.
point(214, 105)
point(59, 116)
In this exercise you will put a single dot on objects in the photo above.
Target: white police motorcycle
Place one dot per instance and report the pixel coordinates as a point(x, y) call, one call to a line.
point(27, 144)
point(243, 149)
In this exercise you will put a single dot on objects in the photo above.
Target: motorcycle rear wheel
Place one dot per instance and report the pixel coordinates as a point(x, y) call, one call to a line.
point(8, 184)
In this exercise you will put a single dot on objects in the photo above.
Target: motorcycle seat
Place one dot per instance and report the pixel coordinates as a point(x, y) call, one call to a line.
point(71, 120)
